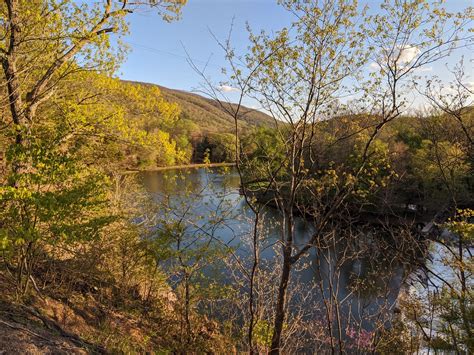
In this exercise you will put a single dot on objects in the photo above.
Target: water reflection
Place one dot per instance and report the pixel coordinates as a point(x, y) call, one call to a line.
point(358, 271)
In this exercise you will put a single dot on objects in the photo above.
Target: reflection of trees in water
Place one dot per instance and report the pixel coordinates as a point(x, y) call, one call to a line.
point(342, 293)
point(172, 181)
point(358, 274)
point(377, 258)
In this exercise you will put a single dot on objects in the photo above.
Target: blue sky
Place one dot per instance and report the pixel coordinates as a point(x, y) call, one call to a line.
point(157, 54)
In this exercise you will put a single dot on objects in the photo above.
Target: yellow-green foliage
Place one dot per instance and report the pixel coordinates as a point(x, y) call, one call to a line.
point(130, 122)
point(445, 159)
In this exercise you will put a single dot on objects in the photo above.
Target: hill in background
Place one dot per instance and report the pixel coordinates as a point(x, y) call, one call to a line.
point(208, 114)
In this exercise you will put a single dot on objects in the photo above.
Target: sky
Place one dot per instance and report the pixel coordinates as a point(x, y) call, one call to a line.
point(158, 49)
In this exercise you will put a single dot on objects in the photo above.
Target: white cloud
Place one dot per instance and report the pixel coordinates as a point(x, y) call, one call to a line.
point(374, 66)
point(423, 69)
point(407, 54)
point(227, 88)
point(403, 56)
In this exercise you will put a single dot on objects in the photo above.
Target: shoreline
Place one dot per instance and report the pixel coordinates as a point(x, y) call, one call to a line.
point(185, 166)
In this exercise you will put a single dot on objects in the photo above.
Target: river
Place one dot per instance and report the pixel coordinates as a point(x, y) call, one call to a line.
point(363, 286)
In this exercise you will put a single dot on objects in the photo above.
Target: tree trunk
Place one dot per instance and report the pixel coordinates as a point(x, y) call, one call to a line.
point(285, 277)
point(252, 284)
point(280, 310)
point(13, 83)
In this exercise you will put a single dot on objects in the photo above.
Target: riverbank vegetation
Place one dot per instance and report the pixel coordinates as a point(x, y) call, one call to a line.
point(423, 161)
point(92, 262)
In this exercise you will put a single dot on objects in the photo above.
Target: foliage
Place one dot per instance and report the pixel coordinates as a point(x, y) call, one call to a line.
point(216, 148)
point(455, 301)
point(71, 221)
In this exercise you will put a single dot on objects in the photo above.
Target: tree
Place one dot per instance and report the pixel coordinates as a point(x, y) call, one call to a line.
point(53, 194)
point(189, 225)
point(77, 38)
point(298, 74)
point(455, 101)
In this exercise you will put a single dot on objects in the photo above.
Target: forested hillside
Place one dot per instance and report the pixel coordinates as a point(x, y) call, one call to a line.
point(178, 127)
point(209, 114)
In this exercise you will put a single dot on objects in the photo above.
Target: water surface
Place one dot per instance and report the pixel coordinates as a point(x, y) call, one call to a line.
point(365, 286)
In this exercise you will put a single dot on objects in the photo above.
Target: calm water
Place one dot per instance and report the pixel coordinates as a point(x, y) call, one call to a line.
point(209, 199)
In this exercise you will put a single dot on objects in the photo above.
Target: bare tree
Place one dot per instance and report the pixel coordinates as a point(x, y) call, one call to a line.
point(299, 75)
point(454, 100)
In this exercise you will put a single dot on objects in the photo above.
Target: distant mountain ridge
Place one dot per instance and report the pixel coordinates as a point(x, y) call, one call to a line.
point(208, 114)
